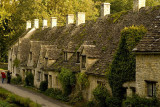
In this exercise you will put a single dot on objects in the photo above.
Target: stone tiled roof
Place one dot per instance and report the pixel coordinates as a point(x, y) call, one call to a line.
point(71, 47)
point(53, 54)
point(151, 42)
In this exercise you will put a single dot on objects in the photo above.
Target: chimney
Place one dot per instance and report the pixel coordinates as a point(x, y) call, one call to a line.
point(105, 9)
point(80, 18)
point(36, 23)
point(44, 23)
point(53, 22)
point(137, 4)
point(70, 19)
point(28, 24)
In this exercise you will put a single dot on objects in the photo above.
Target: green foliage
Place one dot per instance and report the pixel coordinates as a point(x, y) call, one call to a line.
point(101, 94)
point(29, 80)
point(17, 80)
point(4, 104)
point(82, 80)
point(43, 86)
point(9, 99)
point(123, 64)
point(137, 101)
point(67, 79)
point(16, 62)
point(56, 94)
point(76, 98)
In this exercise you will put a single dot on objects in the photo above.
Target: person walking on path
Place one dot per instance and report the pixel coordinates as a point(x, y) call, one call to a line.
point(3, 76)
point(8, 76)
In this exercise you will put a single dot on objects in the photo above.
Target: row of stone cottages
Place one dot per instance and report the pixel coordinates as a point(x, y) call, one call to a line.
point(44, 57)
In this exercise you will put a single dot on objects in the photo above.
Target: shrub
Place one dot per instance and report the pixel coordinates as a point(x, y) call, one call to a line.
point(29, 80)
point(56, 93)
point(68, 80)
point(137, 101)
point(16, 62)
point(43, 86)
point(17, 80)
point(90, 104)
point(76, 98)
point(100, 94)
point(4, 104)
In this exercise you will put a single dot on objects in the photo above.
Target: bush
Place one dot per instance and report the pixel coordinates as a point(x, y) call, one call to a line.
point(68, 80)
point(82, 80)
point(101, 94)
point(29, 80)
point(137, 101)
point(56, 93)
point(76, 98)
point(4, 104)
point(17, 80)
point(43, 86)
point(90, 104)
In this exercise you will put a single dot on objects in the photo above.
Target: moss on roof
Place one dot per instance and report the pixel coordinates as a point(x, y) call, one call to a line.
point(104, 34)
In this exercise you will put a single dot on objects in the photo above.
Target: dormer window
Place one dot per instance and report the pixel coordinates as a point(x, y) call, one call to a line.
point(30, 55)
point(83, 61)
point(78, 57)
point(65, 56)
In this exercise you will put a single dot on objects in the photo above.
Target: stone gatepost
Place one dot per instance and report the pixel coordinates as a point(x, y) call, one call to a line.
point(105, 9)
point(70, 19)
point(80, 18)
point(129, 92)
point(53, 22)
point(44, 23)
point(36, 23)
point(137, 4)
point(28, 25)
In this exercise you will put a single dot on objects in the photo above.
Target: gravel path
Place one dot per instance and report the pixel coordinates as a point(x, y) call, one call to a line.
point(34, 96)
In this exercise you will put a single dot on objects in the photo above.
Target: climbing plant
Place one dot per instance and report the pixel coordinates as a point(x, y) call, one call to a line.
point(123, 65)
point(82, 80)
point(67, 79)
point(16, 62)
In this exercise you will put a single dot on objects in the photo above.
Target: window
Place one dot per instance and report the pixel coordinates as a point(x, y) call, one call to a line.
point(102, 83)
point(83, 61)
point(50, 81)
point(39, 76)
point(78, 57)
point(56, 80)
point(46, 61)
point(151, 88)
point(65, 56)
point(46, 77)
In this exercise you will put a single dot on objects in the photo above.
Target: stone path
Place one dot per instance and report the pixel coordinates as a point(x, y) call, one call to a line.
point(34, 96)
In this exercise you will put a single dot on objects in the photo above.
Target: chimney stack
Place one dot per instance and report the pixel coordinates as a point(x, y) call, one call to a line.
point(137, 4)
point(44, 23)
point(53, 22)
point(105, 9)
point(36, 23)
point(70, 19)
point(80, 18)
point(28, 25)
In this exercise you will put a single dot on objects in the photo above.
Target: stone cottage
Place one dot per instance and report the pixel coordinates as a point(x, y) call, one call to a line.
point(84, 46)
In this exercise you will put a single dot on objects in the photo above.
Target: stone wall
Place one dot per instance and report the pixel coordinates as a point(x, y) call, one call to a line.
point(147, 69)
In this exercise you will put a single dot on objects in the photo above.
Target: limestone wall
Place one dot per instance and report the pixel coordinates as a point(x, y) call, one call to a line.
point(93, 83)
point(147, 69)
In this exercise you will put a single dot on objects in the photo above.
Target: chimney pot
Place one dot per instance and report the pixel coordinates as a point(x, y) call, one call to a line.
point(80, 18)
point(137, 4)
point(36, 23)
point(105, 9)
point(53, 22)
point(28, 24)
point(44, 23)
point(70, 19)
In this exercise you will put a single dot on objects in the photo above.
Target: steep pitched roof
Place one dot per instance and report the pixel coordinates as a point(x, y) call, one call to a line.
point(151, 42)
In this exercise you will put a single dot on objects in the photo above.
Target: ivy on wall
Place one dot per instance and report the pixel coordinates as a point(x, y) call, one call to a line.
point(123, 65)
point(82, 80)
point(67, 79)
point(16, 62)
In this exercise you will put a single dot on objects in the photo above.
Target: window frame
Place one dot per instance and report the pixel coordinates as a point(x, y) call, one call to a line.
point(151, 88)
